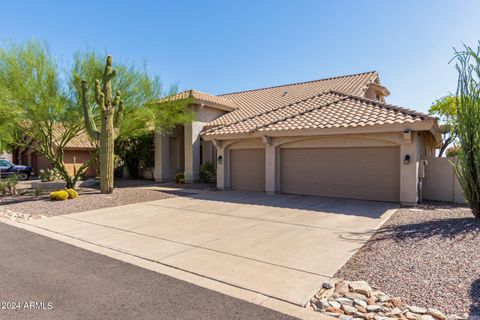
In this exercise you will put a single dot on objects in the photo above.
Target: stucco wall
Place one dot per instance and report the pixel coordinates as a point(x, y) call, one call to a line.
point(408, 171)
point(440, 182)
point(39, 162)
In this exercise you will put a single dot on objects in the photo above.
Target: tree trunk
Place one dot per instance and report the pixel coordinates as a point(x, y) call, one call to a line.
point(107, 138)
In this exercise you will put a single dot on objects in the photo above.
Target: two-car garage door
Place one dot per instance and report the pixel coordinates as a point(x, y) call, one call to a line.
point(370, 173)
point(357, 173)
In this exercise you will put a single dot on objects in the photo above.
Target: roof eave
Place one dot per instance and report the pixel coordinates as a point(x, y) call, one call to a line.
point(425, 125)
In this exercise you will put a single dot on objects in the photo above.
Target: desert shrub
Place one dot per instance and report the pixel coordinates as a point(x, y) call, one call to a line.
point(72, 194)
point(37, 192)
point(179, 176)
point(3, 187)
point(59, 195)
point(467, 125)
point(11, 184)
point(49, 175)
point(207, 171)
point(452, 152)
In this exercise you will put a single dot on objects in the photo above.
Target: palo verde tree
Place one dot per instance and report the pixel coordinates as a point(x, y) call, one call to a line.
point(111, 109)
point(467, 125)
point(134, 118)
point(35, 109)
point(445, 108)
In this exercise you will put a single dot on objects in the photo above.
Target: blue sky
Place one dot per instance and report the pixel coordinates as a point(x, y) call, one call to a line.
point(224, 46)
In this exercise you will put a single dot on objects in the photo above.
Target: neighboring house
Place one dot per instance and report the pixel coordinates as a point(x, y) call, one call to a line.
point(333, 137)
point(7, 156)
point(77, 151)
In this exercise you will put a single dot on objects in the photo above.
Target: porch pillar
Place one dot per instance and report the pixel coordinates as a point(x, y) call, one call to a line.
point(162, 169)
point(270, 166)
point(409, 172)
point(192, 150)
point(221, 165)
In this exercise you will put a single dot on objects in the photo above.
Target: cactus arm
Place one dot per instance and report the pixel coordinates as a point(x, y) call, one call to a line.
point(99, 96)
point(118, 117)
point(108, 75)
point(87, 114)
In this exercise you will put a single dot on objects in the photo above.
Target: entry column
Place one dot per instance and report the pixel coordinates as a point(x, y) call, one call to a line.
point(270, 166)
point(162, 170)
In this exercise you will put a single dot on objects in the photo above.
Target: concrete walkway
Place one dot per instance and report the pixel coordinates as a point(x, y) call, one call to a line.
point(280, 246)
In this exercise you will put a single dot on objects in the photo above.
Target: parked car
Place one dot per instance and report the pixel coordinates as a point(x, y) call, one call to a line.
point(7, 169)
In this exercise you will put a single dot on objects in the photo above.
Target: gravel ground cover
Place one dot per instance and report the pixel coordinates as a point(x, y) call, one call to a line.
point(428, 255)
point(126, 192)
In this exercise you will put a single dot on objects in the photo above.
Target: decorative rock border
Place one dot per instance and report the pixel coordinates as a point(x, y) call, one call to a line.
point(13, 215)
point(356, 300)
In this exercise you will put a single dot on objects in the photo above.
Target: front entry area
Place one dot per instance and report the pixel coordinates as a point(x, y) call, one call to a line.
point(368, 173)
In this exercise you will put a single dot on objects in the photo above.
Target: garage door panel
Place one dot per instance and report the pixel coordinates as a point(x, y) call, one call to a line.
point(360, 173)
point(247, 169)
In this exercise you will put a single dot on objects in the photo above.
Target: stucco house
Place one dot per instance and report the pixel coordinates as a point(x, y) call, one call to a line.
point(77, 151)
point(333, 137)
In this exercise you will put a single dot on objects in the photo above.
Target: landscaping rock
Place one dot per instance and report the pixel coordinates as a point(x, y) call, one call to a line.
point(342, 287)
point(344, 301)
point(361, 287)
point(349, 309)
point(347, 304)
point(353, 296)
point(360, 302)
point(374, 308)
point(327, 285)
point(335, 310)
point(436, 313)
point(418, 310)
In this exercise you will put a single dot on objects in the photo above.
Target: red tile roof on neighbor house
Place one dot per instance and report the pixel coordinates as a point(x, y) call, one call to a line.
point(80, 142)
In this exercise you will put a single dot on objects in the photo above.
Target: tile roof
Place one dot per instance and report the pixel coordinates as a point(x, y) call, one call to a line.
point(80, 141)
point(330, 109)
point(200, 97)
point(255, 101)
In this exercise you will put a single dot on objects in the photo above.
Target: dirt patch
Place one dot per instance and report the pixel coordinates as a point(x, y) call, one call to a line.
point(427, 255)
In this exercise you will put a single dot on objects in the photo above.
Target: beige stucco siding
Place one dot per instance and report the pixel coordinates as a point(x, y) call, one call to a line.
point(370, 173)
point(247, 169)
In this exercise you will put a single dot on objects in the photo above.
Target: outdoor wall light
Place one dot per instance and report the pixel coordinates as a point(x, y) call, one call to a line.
point(406, 160)
point(219, 159)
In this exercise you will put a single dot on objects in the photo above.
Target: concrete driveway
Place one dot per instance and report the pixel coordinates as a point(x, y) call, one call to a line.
point(282, 246)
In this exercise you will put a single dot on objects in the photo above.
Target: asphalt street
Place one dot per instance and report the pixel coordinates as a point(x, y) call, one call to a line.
point(41, 278)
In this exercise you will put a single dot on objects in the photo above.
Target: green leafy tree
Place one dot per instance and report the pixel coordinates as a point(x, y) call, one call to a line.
point(467, 125)
point(131, 113)
point(445, 108)
point(35, 102)
point(35, 110)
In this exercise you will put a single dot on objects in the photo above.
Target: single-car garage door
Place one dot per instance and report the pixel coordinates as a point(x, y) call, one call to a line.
point(357, 173)
point(247, 169)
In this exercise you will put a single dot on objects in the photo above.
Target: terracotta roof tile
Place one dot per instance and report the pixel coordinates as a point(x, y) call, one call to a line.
point(80, 141)
point(331, 109)
point(200, 97)
point(259, 100)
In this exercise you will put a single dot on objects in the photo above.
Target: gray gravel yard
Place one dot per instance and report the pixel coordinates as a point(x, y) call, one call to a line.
point(127, 192)
point(429, 256)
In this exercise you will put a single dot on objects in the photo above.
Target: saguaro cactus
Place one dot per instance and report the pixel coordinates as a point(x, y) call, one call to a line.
point(111, 113)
